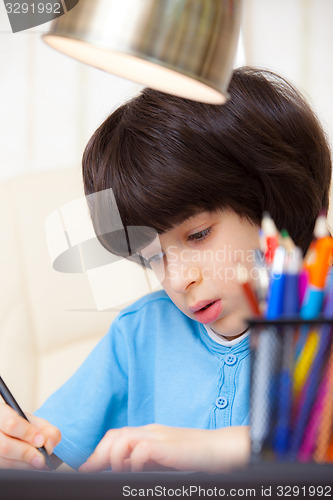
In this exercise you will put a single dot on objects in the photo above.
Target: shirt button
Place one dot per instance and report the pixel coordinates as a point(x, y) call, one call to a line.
point(221, 402)
point(230, 359)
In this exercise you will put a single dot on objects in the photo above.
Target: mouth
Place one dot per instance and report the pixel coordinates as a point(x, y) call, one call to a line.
point(202, 305)
point(207, 311)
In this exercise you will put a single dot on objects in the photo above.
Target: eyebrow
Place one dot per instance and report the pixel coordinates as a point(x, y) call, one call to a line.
point(191, 217)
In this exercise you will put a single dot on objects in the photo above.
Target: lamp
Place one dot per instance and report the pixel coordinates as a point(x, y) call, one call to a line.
point(183, 47)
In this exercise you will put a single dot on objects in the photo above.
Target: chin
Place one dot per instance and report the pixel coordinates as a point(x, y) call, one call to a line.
point(229, 327)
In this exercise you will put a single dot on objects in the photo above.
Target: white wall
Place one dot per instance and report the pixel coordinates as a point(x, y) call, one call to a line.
point(295, 39)
point(50, 104)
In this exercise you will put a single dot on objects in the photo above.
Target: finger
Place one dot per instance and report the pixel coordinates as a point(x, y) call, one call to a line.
point(120, 452)
point(159, 455)
point(6, 463)
point(15, 449)
point(124, 444)
point(99, 460)
point(140, 455)
point(109, 453)
point(13, 425)
point(52, 433)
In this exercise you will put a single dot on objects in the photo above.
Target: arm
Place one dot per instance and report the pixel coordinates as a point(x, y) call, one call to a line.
point(94, 398)
point(19, 440)
point(157, 446)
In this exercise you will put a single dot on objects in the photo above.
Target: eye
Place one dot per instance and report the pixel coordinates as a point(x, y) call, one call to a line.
point(155, 258)
point(200, 235)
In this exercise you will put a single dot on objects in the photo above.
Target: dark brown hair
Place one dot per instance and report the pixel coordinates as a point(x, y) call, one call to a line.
point(167, 158)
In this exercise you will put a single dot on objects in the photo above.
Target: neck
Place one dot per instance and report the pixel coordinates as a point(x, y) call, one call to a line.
point(230, 337)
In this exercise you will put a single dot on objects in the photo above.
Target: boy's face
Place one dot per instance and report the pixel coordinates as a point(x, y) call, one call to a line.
point(199, 268)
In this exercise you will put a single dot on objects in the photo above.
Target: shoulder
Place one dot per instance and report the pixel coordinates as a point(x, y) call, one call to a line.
point(154, 311)
point(156, 300)
point(154, 304)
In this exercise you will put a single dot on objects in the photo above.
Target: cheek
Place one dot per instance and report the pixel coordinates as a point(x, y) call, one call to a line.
point(231, 291)
point(222, 272)
point(159, 271)
point(168, 289)
point(176, 298)
point(225, 266)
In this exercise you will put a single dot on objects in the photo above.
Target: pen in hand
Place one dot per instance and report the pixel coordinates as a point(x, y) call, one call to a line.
point(10, 401)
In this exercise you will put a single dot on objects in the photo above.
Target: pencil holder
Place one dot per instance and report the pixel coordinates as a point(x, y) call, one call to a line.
point(291, 405)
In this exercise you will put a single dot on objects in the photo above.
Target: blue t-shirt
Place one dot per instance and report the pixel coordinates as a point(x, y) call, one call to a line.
point(155, 365)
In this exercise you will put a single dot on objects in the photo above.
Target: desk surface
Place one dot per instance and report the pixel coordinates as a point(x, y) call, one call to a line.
point(276, 480)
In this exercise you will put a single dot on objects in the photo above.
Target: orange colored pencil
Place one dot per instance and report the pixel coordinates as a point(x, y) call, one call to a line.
point(243, 280)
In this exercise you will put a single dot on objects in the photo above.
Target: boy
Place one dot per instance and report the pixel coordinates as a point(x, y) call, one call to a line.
point(175, 365)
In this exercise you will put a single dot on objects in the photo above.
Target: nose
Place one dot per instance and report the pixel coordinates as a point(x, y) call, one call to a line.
point(182, 274)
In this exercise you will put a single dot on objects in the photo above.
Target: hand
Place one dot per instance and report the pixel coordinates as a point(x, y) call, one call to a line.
point(19, 440)
point(155, 446)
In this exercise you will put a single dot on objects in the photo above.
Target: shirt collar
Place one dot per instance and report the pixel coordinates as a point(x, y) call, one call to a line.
point(222, 340)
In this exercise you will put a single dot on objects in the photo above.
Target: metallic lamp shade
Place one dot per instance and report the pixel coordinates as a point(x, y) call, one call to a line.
point(183, 47)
